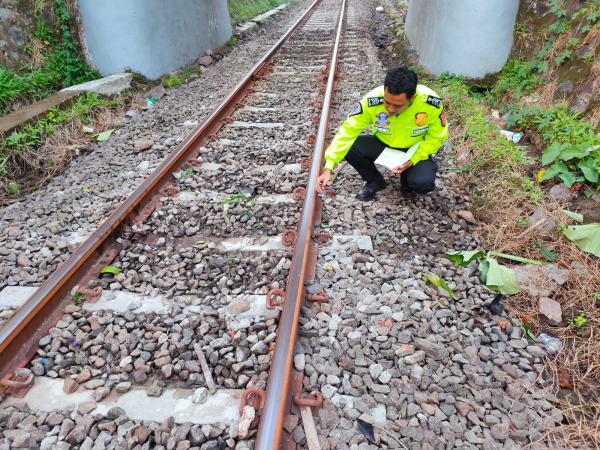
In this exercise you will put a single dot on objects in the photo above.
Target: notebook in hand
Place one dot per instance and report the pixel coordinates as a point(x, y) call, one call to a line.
point(391, 158)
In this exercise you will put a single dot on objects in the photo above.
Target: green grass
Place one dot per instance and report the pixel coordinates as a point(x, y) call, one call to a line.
point(499, 166)
point(243, 10)
point(63, 65)
point(15, 147)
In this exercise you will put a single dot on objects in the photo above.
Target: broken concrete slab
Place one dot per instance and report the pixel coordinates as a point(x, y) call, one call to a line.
point(47, 395)
point(111, 85)
point(362, 241)
point(15, 296)
point(262, 18)
point(239, 124)
point(24, 115)
point(245, 27)
point(188, 196)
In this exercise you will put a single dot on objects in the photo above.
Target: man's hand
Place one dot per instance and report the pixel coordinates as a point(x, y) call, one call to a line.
point(403, 167)
point(323, 180)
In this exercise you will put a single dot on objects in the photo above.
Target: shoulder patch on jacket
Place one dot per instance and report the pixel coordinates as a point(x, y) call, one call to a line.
point(434, 101)
point(375, 101)
point(356, 111)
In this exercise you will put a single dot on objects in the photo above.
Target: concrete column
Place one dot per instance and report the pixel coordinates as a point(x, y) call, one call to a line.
point(152, 37)
point(464, 37)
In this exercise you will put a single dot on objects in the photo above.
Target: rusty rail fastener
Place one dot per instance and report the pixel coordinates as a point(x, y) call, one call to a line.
point(306, 163)
point(171, 191)
point(314, 399)
point(289, 238)
point(254, 397)
point(91, 294)
point(323, 297)
point(322, 237)
point(20, 383)
point(312, 138)
point(275, 298)
point(299, 193)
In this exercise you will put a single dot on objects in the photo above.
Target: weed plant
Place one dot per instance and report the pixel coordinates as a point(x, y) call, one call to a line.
point(63, 66)
point(243, 10)
point(17, 149)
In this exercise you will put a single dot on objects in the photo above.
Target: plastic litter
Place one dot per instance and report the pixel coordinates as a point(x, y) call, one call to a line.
point(512, 136)
point(552, 344)
point(151, 102)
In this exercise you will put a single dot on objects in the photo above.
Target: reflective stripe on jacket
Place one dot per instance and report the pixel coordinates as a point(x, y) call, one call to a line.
point(424, 122)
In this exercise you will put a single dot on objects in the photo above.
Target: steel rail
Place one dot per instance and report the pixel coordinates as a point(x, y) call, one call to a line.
point(271, 424)
point(32, 320)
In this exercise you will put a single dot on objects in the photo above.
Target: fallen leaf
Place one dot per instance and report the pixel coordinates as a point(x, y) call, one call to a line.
point(437, 281)
point(110, 269)
point(540, 175)
point(577, 217)
point(499, 278)
point(502, 324)
point(464, 257)
point(104, 135)
point(87, 129)
point(586, 237)
point(564, 379)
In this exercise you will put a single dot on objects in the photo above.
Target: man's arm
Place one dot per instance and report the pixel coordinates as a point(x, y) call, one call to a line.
point(435, 137)
point(356, 122)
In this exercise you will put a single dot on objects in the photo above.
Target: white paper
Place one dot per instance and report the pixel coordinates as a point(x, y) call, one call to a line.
point(391, 158)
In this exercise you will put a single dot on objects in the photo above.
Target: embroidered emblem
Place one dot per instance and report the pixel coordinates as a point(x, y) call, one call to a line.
point(357, 110)
point(383, 119)
point(434, 101)
point(443, 118)
point(419, 131)
point(375, 101)
point(421, 119)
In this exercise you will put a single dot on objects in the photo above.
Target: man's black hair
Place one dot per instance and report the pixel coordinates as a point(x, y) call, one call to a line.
point(401, 80)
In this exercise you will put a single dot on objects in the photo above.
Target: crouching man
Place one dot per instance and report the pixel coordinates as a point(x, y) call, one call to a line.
point(401, 113)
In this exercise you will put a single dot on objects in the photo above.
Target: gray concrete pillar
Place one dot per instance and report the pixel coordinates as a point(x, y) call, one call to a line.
point(152, 37)
point(464, 37)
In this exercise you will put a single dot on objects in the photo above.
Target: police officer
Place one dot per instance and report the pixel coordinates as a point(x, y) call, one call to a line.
point(401, 113)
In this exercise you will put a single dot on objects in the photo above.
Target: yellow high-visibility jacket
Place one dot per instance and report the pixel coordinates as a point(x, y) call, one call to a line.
point(424, 122)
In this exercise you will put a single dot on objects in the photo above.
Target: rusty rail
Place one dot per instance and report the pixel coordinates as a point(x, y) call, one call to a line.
point(19, 335)
point(271, 425)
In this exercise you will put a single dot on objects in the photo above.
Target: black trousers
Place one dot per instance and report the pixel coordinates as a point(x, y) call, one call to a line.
point(420, 178)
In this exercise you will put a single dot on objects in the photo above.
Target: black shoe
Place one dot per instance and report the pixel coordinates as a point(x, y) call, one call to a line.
point(368, 192)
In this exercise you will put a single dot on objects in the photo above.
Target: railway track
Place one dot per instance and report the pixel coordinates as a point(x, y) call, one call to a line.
point(245, 311)
point(165, 346)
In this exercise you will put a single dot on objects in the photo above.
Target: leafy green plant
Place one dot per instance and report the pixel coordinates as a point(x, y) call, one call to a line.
point(172, 81)
point(573, 152)
point(186, 173)
point(571, 163)
point(580, 321)
point(557, 8)
point(516, 77)
point(564, 56)
point(13, 188)
point(78, 298)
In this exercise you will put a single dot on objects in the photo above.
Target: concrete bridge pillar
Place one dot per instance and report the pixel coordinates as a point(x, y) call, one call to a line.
point(152, 37)
point(465, 37)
